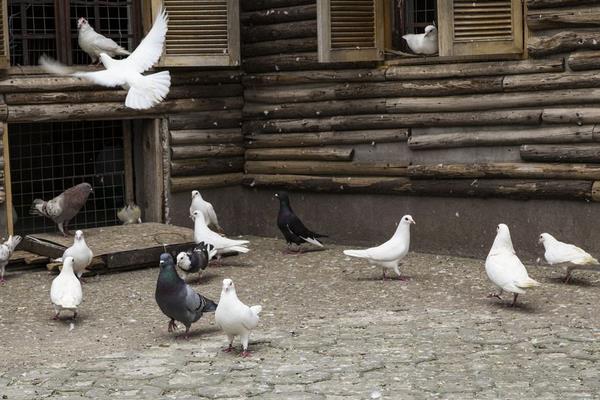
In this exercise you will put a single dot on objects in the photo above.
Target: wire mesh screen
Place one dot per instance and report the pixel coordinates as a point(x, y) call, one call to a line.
point(111, 18)
point(32, 30)
point(420, 13)
point(47, 159)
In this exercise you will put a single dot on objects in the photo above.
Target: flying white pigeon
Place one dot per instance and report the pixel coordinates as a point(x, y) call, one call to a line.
point(202, 233)
point(235, 318)
point(65, 291)
point(95, 44)
point(389, 254)
point(423, 43)
point(143, 91)
point(558, 252)
point(504, 268)
point(81, 253)
point(207, 210)
point(6, 250)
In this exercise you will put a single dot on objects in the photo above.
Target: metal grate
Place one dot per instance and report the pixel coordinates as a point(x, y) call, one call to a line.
point(48, 158)
point(32, 31)
point(111, 18)
point(419, 14)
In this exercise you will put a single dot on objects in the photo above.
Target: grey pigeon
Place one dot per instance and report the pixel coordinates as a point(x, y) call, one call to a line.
point(290, 225)
point(64, 207)
point(176, 299)
point(6, 250)
point(95, 44)
point(195, 260)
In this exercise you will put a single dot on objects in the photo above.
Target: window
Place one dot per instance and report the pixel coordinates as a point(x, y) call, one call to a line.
point(354, 30)
point(49, 27)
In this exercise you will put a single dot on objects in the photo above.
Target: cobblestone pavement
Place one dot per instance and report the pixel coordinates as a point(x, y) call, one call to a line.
point(330, 329)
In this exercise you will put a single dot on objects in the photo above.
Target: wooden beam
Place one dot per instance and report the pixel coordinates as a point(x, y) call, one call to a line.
point(558, 3)
point(149, 190)
point(582, 153)
point(304, 61)
point(206, 136)
point(306, 153)
point(357, 184)
point(182, 184)
point(253, 5)
point(278, 15)
point(206, 120)
point(326, 168)
point(8, 205)
point(327, 138)
point(206, 166)
point(285, 30)
point(541, 46)
point(321, 76)
point(584, 60)
point(505, 170)
point(586, 17)
point(280, 46)
point(551, 81)
point(574, 115)
point(200, 151)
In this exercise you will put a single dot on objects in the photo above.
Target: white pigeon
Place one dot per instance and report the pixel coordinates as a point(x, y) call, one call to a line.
point(235, 318)
point(65, 291)
point(198, 203)
point(504, 268)
point(558, 252)
point(130, 214)
point(202, 233)
point(423, 43)
point(6, 250)
point(389, 254)
point(143, 91)
point(81, 253)
point(95, 44)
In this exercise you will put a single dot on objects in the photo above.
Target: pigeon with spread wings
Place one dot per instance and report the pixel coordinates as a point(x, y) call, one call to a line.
point(143, 91)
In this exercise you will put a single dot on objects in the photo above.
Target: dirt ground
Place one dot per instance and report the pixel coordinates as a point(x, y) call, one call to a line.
point(330, 328)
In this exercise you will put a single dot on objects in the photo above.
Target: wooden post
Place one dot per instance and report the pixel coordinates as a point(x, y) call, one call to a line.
point(7, 180)
point(149, 190)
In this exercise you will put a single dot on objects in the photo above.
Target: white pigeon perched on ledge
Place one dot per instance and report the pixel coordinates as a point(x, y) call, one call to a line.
point(423, 43)
point(558, 252)
point(389, 254)
point(65, 291)
point(6, 250)
point(210, 216)
point(504, 268)
point(81, 253)
point(95, 44)
point(202, 233)
point(143, 91)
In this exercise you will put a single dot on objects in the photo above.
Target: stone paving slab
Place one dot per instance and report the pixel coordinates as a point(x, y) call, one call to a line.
point(330, 329)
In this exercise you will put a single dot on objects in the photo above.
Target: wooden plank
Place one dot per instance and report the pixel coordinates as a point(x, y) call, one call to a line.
point(182, 184)
point(206, 136)
point(586, 153)
point(327, 138)
point(306, 153)
point(326, 168)
point(7, 179)
point(436, 138)
point(118, 246)
point(128, 161)
point(199, 151)
point(151, 189)
point(206, 166)
point(562, 42)
point(505, 170)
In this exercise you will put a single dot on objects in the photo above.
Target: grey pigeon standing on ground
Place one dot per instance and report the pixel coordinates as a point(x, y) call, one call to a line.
point(290, 225)
point(195, 260)
point(176, 299)
point(95, 44)
point(6, 250)
point(64, 207)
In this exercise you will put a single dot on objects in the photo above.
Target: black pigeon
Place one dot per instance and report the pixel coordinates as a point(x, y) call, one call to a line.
point(195, 260)
point(176, 299)
point(290, 225)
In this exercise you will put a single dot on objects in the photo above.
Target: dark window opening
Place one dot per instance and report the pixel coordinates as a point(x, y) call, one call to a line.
point(48, 158)
point(49, 27)
point(411, 16)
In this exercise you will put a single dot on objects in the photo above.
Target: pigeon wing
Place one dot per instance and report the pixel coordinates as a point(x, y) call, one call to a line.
point(212, 215)
point(249, 318)
point(151, 48)
point(74, 199)
point(103, 78)
point(297, 228)
point(104, 44)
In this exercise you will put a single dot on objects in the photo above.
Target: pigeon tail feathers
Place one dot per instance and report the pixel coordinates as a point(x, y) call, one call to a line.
point(13, 242)
point(152, 90)
point(356, 253)
point(527, 283)
point(239, 249)
point(587, 260)
point(313, 240)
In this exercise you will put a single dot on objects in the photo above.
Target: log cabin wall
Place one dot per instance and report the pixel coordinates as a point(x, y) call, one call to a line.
point(500, 130)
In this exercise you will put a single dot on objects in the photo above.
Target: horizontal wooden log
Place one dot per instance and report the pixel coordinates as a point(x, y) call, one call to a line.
point(586, 153)
point(563, 42)
point(304, 61)
point(575, 115)
point(220, 150)
point(315, 109)
point(206, 120)
point(279, 46)
point(347, 91)
point(323, 76)
point(505, 170)
point(306, 153)
point(325, 168)
point(177, 92)
point(286, 30)
point(559, 3)
point(253, 5)
point(390, 121)
point(469, 70)
point(537, 82)
point(206, 136)
point(112, 110)
point(584, 17)
point(182, 184)
point(202, 77)
point(584, 60)
point(509, 188)
point(206, 166)
point(327, 138)
point(435, 138)
point(279, 15)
